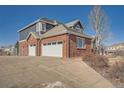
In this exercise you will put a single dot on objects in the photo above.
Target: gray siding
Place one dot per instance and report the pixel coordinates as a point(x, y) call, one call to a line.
point(34, 28)
point(23, 34)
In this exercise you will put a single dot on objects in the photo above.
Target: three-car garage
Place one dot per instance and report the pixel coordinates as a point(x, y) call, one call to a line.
point(51, 49)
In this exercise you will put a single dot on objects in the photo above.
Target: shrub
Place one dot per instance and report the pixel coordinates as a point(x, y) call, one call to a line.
point(117, 71)
point(88, 57)
point(96, 60)
point(101, 61)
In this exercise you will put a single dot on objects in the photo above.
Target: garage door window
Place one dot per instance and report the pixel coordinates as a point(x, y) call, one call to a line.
point(54, 43)
point(45, 44)
point(49, 43)
point(59, 42)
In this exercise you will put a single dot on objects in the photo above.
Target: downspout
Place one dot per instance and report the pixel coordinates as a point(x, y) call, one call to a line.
point(68, 45)
point(37, 47)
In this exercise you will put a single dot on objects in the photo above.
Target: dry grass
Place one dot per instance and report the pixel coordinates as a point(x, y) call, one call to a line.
point(96, 61)
point(113, 71)
point(116, 71)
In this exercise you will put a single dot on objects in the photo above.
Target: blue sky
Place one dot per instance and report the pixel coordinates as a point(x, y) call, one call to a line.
point(12, 18)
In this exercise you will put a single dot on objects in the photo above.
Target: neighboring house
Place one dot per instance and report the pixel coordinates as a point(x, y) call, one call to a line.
point(116, 49)
point(46, 37)
point(8, 50)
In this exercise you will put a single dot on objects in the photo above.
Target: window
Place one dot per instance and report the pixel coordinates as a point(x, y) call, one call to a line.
point(49, 43)
point(80, 42)
point(60, 42)
point(93, 45)
point(53, 43)
point(49, 26)
point(33, 44)
point(44, 27)
point(78, 28)
point(44, 44)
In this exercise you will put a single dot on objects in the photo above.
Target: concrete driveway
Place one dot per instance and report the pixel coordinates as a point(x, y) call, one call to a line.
point(40, 71)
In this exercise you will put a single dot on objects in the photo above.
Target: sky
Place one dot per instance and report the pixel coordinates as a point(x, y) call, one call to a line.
point(13, 18)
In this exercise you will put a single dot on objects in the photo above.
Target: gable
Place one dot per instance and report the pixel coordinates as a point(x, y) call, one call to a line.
point(24, 33)
point(75, 25)
point(78, 26)
point(32, 35)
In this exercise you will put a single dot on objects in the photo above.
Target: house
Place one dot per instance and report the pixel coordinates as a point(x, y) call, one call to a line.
point(115, 49)
point(45, 37)
point(9, 50)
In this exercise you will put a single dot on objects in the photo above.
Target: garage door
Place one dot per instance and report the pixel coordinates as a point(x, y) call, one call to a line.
point(32, 50)
point(54, 49)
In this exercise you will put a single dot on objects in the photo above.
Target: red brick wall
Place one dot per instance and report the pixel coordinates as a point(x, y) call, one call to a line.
point(69, 45)
point(23, 46)
point(74, 51)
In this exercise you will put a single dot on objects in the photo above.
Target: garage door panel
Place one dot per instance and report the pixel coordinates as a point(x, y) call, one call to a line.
point(55, 50)
point(32, 50)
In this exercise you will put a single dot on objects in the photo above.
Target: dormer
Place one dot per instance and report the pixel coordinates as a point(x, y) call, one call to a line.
point(75, 25)
point(40, 27)
point(44, 25)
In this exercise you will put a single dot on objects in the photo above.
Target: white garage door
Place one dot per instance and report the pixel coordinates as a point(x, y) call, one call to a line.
point(32, 50)
point(54, 49)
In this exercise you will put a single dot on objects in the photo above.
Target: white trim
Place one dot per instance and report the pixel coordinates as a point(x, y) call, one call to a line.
point(83, 43)
point(53, 50)
point(34, 22)
point(22, 40)
point(28, 25)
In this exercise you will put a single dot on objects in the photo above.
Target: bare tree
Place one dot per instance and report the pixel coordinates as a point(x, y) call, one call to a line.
point(99, 24)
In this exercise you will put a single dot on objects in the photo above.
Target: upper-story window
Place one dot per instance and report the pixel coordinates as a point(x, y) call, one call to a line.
point(49, 26)
point(77, 27)
point(80, 42)
point(44, 27)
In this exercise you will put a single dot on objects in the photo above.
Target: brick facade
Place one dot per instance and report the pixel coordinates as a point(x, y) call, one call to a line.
point(76, 52)
point(69, 45)
point(23, 46)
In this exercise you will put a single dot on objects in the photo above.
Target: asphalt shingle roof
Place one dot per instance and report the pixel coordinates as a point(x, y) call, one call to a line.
point(62, 29)
point(59, 30)
point(72, 23)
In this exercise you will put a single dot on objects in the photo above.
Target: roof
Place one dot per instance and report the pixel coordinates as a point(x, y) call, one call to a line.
point(36, 35)
point(57, 30)
point(118, 44)
point(62, 29)
point(54, 22)
point(72, 23)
